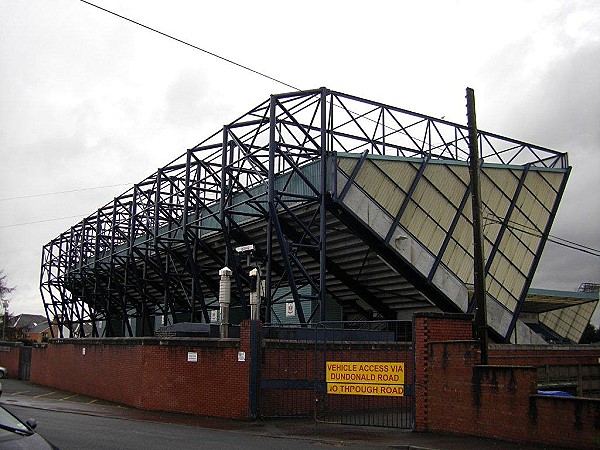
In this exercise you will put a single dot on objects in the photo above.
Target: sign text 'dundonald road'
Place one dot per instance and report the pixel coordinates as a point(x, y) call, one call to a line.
point(365, 378)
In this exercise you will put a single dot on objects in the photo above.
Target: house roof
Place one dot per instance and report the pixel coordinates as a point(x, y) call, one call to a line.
point(39, 328)
point(26, 321)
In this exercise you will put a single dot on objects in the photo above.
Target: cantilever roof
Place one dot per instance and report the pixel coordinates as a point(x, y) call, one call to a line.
point(544, 300)
point(398, 216)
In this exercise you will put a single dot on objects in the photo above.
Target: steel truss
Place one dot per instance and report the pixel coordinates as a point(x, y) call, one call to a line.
point(265, 179)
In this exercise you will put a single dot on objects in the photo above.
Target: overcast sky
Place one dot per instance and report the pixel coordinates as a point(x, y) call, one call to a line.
point(89, 100)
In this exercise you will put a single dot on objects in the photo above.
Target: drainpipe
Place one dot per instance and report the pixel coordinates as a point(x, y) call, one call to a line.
point(224, 300)
point(254, 297)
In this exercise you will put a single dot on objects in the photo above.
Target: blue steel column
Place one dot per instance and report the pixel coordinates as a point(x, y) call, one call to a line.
point(268, 269)
point(80, 271)
point(132, 263)
point(224, 190)
point(283, 243)
point(271, 207)
point(270, 200)
point(192, 247)
point(323, 224)
point(96, 269)
point(108, 331)
point(68, 299)
point(184, 231)
point(227, 161)
point(47, 263)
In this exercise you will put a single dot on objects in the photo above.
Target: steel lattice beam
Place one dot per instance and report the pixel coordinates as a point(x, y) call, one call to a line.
point(154, 252)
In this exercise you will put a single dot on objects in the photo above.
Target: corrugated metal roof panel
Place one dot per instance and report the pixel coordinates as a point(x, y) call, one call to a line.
point(402, 174)
point(433, 208)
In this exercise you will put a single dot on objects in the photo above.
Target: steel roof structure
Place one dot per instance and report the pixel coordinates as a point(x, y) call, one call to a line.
point(348, 204)
point(566, 314)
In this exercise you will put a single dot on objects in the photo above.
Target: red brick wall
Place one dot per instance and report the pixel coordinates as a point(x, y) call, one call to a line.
point(453, 393)
point(569, 422)
point(539, 355)
point(9, 358)
point(500, 402)
point(154, 374)
point(109, 369)
point(457, 395)
point(469, 399)
point(433, 327)
point(150, 373)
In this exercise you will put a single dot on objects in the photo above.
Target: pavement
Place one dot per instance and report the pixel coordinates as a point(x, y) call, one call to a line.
point(28, 395)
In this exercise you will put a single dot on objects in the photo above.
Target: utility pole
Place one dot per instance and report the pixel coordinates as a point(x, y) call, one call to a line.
point(479, 264)
point(5, 318)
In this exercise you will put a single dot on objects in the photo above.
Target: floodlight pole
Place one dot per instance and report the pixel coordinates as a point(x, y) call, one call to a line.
point(478, 255)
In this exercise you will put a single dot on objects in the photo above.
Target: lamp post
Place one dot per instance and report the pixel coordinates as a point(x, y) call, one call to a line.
point(5, 319)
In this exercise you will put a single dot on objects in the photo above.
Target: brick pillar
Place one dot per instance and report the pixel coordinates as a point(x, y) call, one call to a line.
point(432, 327)
point(254, 382)
point(250, 344)
point(420, 340)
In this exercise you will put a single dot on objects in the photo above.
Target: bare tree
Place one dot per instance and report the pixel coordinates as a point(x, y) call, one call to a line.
point(5, 289)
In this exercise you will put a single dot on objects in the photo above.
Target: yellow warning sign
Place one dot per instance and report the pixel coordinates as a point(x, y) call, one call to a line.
point(365, 378)
point(365, 389)
point(365, 372)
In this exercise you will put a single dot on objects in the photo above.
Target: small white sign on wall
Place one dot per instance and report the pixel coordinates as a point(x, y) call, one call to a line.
point(192, 357)
point(290, 309)
point(214, 315)
point(241, 356)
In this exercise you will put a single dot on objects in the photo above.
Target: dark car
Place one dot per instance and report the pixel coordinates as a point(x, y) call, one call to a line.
point(15, 434)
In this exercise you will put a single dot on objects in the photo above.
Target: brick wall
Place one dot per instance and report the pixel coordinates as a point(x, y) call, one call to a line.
point(539, 355)
point(570, 422)
point(452, 391)
point(457, 395)
point(154, 374)
point(151, 374)
point(470, 399)
point(432, 327)
point(9, 357)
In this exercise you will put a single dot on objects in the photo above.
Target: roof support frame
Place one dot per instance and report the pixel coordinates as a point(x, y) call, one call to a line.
point(187, 218)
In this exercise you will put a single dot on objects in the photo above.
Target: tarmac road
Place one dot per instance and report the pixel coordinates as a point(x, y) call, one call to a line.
point(78, 431)
point(76, 422)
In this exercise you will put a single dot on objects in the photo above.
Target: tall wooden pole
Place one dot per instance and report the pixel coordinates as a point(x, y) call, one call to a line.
point(478, 255)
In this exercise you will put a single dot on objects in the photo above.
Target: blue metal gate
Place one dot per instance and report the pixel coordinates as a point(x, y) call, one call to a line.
point(367, 369)
point(357, 373)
